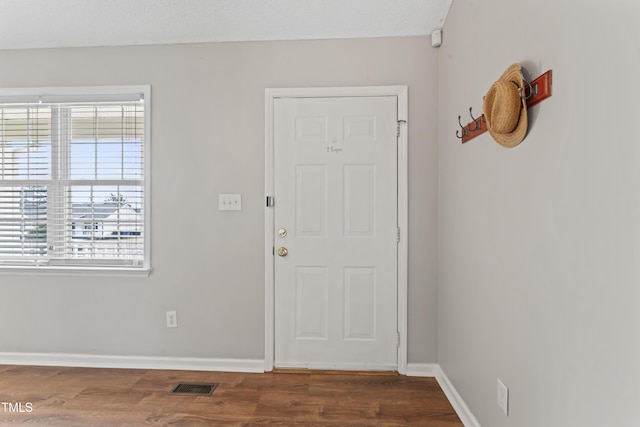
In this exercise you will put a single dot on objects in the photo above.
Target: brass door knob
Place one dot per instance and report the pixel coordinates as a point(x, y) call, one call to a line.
point(283, 251)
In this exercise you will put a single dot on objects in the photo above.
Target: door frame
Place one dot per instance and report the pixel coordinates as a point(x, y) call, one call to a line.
point(401, 92)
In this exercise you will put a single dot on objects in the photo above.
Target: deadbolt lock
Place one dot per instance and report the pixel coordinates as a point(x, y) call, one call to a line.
point(282, 232)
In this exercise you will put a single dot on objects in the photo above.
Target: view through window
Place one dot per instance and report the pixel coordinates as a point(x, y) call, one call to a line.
point(72, 183)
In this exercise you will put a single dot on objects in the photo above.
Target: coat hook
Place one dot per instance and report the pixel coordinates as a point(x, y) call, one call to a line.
point(477, 122)
point(476, 125)
point(533, 90)
point(464, 130)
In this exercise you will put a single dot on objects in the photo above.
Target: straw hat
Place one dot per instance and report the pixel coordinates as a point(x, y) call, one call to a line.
point(505, 108)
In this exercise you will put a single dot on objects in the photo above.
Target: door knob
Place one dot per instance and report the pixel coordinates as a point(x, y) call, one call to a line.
point(283, 251)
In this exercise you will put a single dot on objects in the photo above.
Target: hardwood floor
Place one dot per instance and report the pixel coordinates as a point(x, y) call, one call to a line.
point(51, 396)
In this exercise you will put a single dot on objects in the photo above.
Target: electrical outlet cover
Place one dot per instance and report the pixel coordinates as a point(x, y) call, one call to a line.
point(172, 319)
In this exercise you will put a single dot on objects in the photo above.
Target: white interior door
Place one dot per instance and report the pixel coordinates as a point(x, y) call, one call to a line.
point(336, 222)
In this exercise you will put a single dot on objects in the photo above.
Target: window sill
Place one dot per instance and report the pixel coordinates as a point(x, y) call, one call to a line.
point(76, 271)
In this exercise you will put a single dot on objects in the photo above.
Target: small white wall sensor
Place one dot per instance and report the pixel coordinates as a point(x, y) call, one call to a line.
point(436, 38)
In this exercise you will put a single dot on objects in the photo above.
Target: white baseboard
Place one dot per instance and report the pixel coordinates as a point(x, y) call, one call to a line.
point(133, 362)
point(455, 399)
point(422, 369)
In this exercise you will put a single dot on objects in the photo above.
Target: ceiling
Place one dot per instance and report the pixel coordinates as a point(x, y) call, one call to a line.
point(66, 23)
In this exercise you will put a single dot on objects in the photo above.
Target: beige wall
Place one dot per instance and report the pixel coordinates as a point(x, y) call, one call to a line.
point(208, 138)
point(539, 272)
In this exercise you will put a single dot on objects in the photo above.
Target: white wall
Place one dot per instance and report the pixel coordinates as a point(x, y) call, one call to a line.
point(539, 245)
point(208, 138)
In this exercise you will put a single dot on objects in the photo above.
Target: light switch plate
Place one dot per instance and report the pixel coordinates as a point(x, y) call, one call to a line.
point(230, 202)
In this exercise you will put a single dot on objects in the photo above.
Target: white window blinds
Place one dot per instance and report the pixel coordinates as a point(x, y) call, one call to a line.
point(72, 182)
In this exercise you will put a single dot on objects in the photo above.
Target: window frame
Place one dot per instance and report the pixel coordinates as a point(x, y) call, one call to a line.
point(93, 94)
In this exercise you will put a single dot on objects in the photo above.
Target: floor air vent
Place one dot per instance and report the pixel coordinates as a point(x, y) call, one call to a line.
point(193, 389)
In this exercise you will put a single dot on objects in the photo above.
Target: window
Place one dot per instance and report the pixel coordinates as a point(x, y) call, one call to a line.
point(74, 179)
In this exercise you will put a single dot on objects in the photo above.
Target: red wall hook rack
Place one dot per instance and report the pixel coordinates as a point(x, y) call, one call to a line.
point(537, 91)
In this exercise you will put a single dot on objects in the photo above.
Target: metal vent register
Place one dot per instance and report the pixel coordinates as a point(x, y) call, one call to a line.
point(194, 389)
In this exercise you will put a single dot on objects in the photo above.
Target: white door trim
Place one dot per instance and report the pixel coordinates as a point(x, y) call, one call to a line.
point(401, 92)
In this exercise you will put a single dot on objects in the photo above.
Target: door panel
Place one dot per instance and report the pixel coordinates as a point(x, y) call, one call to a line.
point(360, 303)
point(359, 200)
point(335, 185)
point(311, 201)
point(311, 289)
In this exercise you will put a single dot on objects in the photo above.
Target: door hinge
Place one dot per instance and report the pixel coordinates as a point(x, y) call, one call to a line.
point(398, 127)
point(270, 201)
point(397, 339)
point(398, 234)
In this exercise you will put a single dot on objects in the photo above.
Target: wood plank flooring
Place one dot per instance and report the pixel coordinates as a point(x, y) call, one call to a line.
point(70, 397)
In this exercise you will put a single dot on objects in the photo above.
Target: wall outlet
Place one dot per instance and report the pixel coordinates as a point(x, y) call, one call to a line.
point(503, 397)
point(172, 319)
